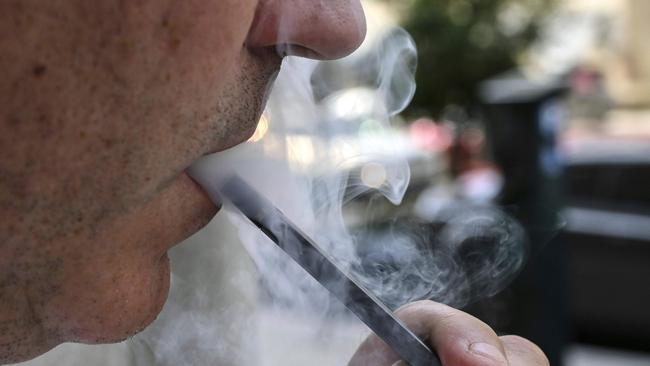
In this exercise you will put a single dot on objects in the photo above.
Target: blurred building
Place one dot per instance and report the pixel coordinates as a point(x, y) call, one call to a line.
point(610, 36)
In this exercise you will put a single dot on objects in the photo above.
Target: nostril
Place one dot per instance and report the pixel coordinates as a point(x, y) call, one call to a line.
point(288, 49)
point(283, 49)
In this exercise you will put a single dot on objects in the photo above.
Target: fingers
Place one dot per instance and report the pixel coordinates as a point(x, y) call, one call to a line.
point(458, 338)
point(521, 351)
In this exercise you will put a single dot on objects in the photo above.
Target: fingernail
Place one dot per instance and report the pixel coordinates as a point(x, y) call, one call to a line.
point(488, 351)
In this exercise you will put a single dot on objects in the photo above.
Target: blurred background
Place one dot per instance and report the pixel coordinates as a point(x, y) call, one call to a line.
point(540, 108)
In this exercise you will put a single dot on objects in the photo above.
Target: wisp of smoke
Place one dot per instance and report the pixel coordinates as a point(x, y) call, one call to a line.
point(465, 254)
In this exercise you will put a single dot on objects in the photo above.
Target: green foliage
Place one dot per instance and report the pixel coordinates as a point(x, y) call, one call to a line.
point(462, 42)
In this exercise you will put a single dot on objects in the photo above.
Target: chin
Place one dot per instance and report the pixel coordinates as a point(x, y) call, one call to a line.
point(113, 317)
point(158, 298)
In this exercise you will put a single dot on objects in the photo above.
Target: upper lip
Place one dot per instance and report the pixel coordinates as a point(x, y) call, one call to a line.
point(274, 62)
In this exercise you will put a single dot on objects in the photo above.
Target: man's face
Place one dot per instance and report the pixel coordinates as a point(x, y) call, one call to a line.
point(103, 105)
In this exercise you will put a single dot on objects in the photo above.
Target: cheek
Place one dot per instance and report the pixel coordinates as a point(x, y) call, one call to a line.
point(203, 39)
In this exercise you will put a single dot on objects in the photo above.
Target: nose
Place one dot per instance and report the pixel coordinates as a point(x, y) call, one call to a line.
point(319, 29)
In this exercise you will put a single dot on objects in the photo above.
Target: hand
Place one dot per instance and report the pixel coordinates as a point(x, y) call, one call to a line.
point(458, 338)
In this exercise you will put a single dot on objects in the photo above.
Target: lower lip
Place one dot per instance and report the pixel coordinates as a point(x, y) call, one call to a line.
point(199, 191)
point(191, 206)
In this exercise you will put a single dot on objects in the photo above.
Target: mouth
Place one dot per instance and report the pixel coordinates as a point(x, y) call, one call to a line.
point(190, 208)
point(199, 207)
point(208, 207)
